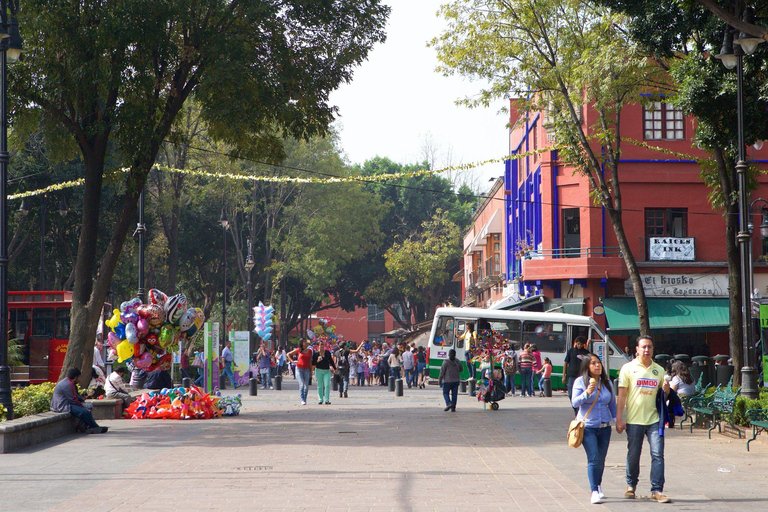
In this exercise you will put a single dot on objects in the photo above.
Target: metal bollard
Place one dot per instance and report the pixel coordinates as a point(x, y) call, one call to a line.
point(391, 383)
point(335, 383)
point(472, 384)
point(463, 386)
point(186, 382)
point(278, 382)
point(399, 387)
point(254, 387)
point(548, 387)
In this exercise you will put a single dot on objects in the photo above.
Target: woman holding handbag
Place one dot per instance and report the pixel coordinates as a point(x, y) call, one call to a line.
point(594, 397)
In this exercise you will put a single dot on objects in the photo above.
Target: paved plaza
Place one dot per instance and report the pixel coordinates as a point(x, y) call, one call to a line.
point(371, 451)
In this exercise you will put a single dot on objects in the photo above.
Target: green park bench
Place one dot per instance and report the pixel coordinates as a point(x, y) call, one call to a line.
point(685, 401)
point(758, 419)
point(717, 407)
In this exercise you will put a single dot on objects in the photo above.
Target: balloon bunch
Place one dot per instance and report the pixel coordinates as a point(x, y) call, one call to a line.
point(147, 334)
point(262, 320)
point(324, 332)
point(176, 404)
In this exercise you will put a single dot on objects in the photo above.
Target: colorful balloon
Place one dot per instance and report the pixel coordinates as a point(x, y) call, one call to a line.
point(156, 316)
point(175, 308)
point(112, 322)
point(124, 351)
point(130, 333)
point(157, 297)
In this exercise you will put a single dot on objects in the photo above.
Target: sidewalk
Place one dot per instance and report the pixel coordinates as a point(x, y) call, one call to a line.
point(371, 451)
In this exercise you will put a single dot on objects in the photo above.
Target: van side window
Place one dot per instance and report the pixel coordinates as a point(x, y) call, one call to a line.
point(444, 333)
point(547, 336)
point(576, 331)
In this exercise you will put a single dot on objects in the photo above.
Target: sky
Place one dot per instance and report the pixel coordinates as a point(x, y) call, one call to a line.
point(397, 101)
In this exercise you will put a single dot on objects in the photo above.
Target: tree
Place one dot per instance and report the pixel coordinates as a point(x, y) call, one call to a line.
point(98, 73)
point(419, 270)
point(679, 36)
point(562, 55)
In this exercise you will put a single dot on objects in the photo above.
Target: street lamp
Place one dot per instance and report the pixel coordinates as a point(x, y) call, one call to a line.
point(225, 226)
point(249, 264)
point(730, 55)
point(141, 230)
point(10, 51)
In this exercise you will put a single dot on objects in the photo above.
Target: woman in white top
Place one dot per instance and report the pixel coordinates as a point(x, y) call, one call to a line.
point(682, 382)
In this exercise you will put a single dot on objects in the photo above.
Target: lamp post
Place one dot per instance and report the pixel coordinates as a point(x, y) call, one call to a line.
point(732, 57)
point(141, 230)
point(249, 264)
point(225, 225)
point(10, 51)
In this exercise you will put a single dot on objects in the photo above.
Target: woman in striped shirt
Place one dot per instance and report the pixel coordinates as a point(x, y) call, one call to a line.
point(526, 360)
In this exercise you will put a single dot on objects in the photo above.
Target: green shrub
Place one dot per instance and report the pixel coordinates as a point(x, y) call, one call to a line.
point(2, 412)
point(743, 404)
point(32, 399)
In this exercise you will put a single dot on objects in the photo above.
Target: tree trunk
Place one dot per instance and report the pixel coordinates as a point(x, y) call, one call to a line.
point(634, 275)
point(731, 207)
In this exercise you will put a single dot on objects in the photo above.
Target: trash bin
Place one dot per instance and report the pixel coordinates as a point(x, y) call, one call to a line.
point(724, 374)
point(662, 359)
point(701, 366)
point(685, 358)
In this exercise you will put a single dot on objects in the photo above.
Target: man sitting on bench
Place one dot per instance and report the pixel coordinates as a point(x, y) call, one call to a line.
point(66, 399)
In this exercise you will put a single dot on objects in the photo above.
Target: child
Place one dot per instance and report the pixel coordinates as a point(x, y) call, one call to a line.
point(546, 373)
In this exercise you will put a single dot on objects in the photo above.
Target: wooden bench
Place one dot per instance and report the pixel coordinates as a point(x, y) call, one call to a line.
point(758, 419)
point(717, 407)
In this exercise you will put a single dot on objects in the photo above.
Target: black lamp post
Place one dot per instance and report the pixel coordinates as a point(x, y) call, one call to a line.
point(249, 264)
point(733, 56)
point(225, 226)
point(10, 51)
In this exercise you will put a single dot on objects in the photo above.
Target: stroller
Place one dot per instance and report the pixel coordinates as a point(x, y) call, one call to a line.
point(496, 392)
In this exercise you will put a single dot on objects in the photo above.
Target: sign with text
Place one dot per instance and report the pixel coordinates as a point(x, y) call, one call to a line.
point(681, 285)
point(240, 351)
point(667, 248)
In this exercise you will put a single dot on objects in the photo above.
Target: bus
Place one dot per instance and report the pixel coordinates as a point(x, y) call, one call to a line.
point(40, 321)
point(553, 334)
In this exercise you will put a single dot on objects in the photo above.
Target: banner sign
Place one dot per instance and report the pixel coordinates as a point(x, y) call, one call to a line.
point(681, 285)
point(666, 248)
point(240, 351)
point(211, 357)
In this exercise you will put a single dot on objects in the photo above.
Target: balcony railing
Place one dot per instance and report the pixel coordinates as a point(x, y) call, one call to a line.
point(575, 252)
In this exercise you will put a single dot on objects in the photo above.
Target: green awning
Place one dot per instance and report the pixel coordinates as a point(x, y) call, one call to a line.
point(668, 315)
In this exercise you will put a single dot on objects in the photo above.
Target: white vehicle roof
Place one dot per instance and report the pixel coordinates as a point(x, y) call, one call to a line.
point(495, 314)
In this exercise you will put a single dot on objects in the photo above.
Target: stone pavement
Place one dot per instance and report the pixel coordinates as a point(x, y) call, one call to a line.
point(371, 451)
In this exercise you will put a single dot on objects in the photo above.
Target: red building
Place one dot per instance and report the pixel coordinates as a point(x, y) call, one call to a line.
point(560, 250)
point(369, 323)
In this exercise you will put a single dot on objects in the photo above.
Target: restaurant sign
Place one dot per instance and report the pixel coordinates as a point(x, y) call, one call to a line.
point(681, 285)
point(667, 248)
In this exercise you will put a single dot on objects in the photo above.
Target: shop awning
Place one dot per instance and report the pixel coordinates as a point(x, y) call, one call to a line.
point(668, 315)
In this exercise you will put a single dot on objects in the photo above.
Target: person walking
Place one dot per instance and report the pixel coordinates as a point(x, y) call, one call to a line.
point(572, 364)
point(509, 365)
point(229, 360)
point(537, 365)
point(343, 361)
point(395, 362)
point(409, 366)
point(594, 398)
point(639, 383)
point(526, 362)
point(322, 362)
point(449, 380)
point(421, 366)
point(546, 373)
point(302, 357)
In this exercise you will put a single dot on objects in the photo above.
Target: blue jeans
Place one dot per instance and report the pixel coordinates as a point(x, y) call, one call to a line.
point(394, 372)
point(595, 442)
point(410, 373)
point(509, 384)
point(635, 435)
point(266, 379)
point(526, 375)
point(451, 388)
point(83, 415)
point(343, 381)
point(227, 372)
point(541, 382)
point(302, 375)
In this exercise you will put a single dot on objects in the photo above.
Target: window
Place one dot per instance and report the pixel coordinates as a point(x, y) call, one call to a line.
point(62, 323)
point(509, 330)
point(375, 314)
point(662, 121)
point(42, 322)
point(20, 322)
point(547, 336)
point(666, 222)
point(444, 333)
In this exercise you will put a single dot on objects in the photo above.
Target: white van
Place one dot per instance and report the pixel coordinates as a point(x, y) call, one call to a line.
point(553, 334)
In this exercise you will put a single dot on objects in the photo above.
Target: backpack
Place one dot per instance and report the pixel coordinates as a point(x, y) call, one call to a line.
point(342, 362)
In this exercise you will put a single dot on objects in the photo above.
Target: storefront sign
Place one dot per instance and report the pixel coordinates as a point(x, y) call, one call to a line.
point(665, 248)
point(681, 285)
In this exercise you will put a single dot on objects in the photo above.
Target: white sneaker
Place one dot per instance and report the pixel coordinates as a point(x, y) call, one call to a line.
point(303, 403)
point(596, 498)
point(600, 491)
point(270, 387)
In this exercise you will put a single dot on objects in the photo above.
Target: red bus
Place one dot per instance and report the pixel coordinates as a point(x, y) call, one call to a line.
point(41, 321)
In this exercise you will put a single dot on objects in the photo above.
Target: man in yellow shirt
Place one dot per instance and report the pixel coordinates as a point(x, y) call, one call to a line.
point(639, 383)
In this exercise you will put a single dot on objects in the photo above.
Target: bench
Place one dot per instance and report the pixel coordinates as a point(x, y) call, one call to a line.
point(685, 401)
point(717, 407)
point(758, 419)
